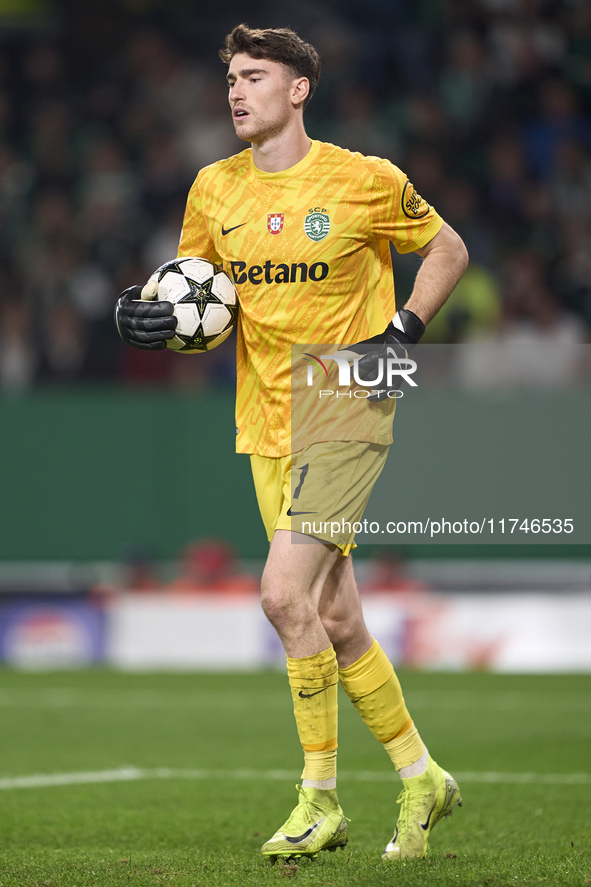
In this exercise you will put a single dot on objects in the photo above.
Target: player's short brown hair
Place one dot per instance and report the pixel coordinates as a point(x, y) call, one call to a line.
point(278, 45)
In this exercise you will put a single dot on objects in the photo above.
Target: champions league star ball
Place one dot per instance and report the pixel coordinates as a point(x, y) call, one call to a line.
point(205, 302)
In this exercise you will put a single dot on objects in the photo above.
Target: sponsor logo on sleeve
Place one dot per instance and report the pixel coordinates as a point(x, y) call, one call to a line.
point(413, 205)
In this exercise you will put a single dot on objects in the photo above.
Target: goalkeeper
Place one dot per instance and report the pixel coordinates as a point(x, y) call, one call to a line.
point(304, 229)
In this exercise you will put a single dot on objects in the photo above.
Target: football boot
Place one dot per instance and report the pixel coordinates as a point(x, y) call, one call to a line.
point(317, 823)
point(424, 800)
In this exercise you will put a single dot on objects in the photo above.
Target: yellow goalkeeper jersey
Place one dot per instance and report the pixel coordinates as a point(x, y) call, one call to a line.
point(308, 251)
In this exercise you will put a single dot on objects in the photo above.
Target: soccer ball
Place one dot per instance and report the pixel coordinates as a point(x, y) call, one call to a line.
point(205, 302)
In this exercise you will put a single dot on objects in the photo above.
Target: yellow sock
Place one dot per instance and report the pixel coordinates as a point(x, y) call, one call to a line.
point(314, 685)
point(373, 688)
point(406, 748)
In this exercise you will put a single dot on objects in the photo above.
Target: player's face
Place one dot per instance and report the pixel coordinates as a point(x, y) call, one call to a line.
point(260, 96)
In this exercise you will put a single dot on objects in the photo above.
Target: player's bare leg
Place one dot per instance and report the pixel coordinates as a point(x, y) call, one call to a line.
point(341, 614)
point(292, 586)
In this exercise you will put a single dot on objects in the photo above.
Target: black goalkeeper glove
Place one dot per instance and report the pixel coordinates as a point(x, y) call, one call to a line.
point(144, 324)
point(399, 337)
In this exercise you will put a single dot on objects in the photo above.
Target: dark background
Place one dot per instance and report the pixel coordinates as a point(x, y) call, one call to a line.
point(107, 113)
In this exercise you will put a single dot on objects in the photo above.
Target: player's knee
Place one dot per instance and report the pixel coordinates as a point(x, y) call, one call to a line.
point(270, 606)
point(282, 608)
point(274, 604)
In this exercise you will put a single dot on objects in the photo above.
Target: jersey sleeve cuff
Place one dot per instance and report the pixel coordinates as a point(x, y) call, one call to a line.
point(426, 235)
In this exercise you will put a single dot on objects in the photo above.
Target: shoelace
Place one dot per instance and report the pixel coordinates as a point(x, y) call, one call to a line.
point(404, 799)
point(308, 802)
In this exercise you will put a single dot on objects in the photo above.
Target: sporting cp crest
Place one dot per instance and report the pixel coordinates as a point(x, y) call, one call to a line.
point(275, 222)
point(317, 224)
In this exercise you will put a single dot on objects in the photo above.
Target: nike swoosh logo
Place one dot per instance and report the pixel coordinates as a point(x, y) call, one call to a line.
point(303, 837)
point(227, 230)
point(426, 825)
point(291, 513)
point(309, 695)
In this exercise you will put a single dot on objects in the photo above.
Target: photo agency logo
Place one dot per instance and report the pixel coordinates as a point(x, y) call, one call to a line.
point(383, 373)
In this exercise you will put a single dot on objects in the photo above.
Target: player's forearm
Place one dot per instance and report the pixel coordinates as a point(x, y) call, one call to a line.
point(445, 259)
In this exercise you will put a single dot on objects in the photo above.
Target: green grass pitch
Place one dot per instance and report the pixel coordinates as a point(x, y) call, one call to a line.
point(195, 782)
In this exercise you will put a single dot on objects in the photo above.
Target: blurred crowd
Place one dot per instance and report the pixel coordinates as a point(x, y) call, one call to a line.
point(208, 566)
point(485, 104)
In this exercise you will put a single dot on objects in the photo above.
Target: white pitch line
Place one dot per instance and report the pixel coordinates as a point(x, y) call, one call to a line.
point(132, 774)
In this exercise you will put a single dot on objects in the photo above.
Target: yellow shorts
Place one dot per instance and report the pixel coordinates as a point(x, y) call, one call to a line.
point(321, 491)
